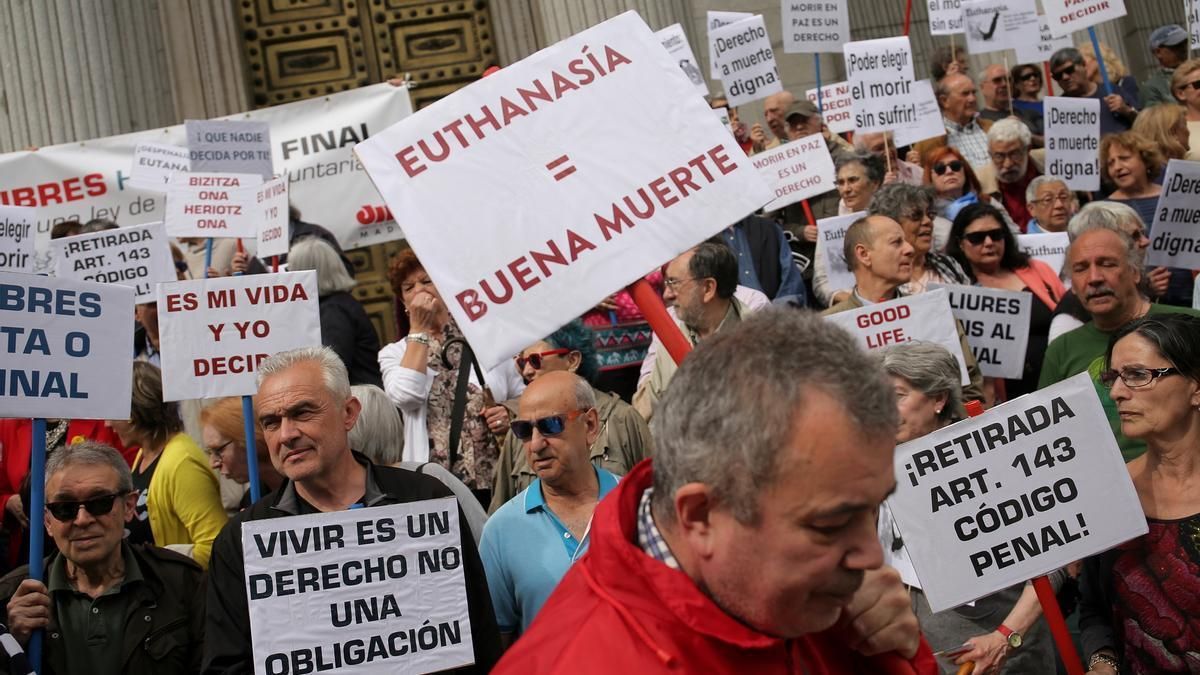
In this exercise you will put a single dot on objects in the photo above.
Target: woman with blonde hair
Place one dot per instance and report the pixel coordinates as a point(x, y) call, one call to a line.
point(1118, 74)
point(1165, 125)
point(1129, 163)
point(1185, 84)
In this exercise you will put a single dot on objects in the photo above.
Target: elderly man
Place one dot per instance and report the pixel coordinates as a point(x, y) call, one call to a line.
point(775, 109)
point(306, 410)
point(1169, 44)
point(1051, 205)
point(996, 87)
point(1068, 70)
point(759, 560)
point(1012, 166)
point(883, 146)
point(965, 131)
point(531, 541)
point(107, 606)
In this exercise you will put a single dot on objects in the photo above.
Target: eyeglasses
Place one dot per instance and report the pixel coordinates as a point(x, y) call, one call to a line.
point(1011, 155)
point(1190, 85)
point(1031, 75)
point(976, 238)
point(674, 284)
point(953, 165)
point(65, 512)
point(1046, 201)
point(999, 80)
point(219, 449)
point(552, 425)
point(1135, 377)
point(535, 360)
point(1064, 73)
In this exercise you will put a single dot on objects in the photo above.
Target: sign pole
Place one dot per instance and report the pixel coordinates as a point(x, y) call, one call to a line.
point(1058, 625)
point(651, 305)
point(1049, 78)
point(37, 505)
point(208, 246)
point(907, 16)
point(820, 97)
point(248, 418)
point(1100, 60)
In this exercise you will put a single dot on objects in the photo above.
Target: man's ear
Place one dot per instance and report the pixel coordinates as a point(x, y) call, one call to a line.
point(862, 256)
point(130, 506)
point(710, 289)
point(353, 408)
point(694, 509)
point(592, 419)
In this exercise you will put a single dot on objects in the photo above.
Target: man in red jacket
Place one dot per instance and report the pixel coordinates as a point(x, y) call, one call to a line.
point(750, 544)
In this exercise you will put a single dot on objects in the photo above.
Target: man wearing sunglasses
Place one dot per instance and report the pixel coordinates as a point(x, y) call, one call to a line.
point(1068, 70)
point(107, 606)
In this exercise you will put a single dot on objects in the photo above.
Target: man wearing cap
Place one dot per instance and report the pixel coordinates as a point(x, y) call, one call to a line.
point(1169, 44)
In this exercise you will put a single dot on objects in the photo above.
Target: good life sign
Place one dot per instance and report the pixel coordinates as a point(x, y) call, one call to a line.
point(378, 590)
point(618, 164)
point(1013, 494)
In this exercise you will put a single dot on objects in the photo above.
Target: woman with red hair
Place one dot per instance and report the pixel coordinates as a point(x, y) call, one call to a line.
point(956, 186)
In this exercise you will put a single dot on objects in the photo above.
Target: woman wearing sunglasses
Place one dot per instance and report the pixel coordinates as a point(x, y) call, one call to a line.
point(1027, 93)
point(987, 250)
point(1137, 611)
point(955, 185)
point(1185, 84)
point(624, 438)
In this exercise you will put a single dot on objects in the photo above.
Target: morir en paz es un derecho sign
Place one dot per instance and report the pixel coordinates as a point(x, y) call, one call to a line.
point(880, 73)
point(1175, 235)
point(378, 590)
point(66, 349)
point(1073, 141)
point(815, 26)
point(16, 239)
point(618, 164)
point(796, 170)
point(1012, 494)
point(138, 256)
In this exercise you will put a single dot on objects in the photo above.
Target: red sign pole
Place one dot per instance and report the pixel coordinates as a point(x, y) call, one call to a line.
point(907, 17)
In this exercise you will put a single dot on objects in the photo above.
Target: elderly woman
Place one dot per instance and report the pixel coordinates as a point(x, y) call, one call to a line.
point(345, 327)
point(179, 503)
point(929, 397)
point(223, 435)
point(1166, 126)
point(419, 375)
point(1137, 612)
point(912, 207)
point(624, 438)
point(1129, 163)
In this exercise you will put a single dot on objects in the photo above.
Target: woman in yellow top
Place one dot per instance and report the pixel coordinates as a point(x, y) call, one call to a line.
point(179, 502)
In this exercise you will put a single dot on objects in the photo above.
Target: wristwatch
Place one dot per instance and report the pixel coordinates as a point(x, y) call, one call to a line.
point(1013, 637)
point(423, 338)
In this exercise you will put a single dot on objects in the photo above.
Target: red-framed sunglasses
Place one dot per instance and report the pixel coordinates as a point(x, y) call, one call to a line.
point(535, 359)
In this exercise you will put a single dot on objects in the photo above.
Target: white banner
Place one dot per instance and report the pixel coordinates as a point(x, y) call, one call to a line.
point(138, 256)
point(837, 106)
point(619, 166)
point(945, 17)
point(997, 326)
point(713, 21)
point(1048, 247)
point(68, 350)
point(1037, 51)
point(1067, 16)
point(831, 235)
point(1073, 141)
point(229, 146)
point(796, 170)
point(916, 318)
point(811, 27)
point(375, 590)
point(312, 144)
point(271, 202)
point(1012, 494)
point(745, 61)
point(155, 163)
point(929, 122)
point(675, 41)
point(996, 25)
point(1175, 234)
point(215, 332)
point(880, 73)
point(16, 239)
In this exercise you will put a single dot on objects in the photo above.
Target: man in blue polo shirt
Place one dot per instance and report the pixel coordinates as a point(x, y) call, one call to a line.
point(529, 543)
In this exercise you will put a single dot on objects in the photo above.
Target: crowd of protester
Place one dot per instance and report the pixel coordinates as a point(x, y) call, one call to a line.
point(777, 423)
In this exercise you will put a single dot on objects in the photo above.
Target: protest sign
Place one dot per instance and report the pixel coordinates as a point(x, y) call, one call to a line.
point(618, 165)
point(837, 106)
point(995, 25)
point(138, 256)
point(814, 26)
point(215, 332)
point(1193, 22)
point(997, 327)
point(675, 41)
point(271, 202)
point(1037, 51)
point(1048, 247)
point(1073, 141)
point(155, 163)
point(945, 17)
point(230, 146)
point(312, 145)
point(1014, 493)
point(66, 351)
point(915, 318)
point(796, 170)
point(715, 20)
point(212, 205)
point(375, 590)
point(929, 123)
point(1067, 16)
point(831, 233)
point(745, 61)
point(895, 554)
point(16, 239)
point(880, 73)
point(1175, 234)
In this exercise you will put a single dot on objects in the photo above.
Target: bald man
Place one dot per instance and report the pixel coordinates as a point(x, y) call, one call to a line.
point(775, 110)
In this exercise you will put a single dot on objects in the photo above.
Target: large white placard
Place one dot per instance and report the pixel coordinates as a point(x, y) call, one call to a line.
point(997, 327)
point(880, 73)
point(929, 122)
point(837, 106)
point(155, 163)
point(796, 170)
point(1012, 494)
point(16, 239)
point(138, 256)
point(377, 590)
point(230, 146)
point(675, 41)
point(945, 17)
point(215, 332)
point(67, 348)
point(1073, 141)
point(814, 26)
point(312, 145)
point(1048, 247)
point(212, 205)
point(619, 166)
point(745, 61)
point(995, 25)
point(1067, 16)
point(916, 318)
point(1175, 234)
point(831, 235)
point(1037, 51)
point(713, 21)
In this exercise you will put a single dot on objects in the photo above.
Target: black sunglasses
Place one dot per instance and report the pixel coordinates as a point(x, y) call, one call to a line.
point(1031, 75)
point(552, 425)
point(1065, 72)
point(976, 238)
point(1193, 85)
point(940, 167)
point(65, 512)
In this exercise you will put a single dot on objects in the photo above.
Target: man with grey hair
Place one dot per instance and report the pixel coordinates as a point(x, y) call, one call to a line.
point(996, 87)
point(1012, 167)
point(748, 543)
point(1051, 205)
point(306, 410)
point(107, 606)
point(1116, 112)
point(913, 208)
point(965, 130)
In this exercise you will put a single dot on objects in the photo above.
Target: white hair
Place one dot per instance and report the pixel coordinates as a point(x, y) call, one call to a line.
point(337, 380)
point(1008, 130)
point(379, 431)
point(1036, 183)
point(312, 253)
